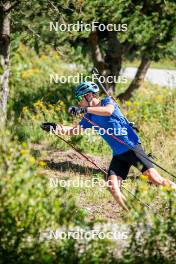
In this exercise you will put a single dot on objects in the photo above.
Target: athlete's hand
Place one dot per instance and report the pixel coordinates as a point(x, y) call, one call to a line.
point(73, 110)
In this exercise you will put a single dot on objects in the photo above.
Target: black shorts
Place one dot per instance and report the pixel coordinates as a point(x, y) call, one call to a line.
point(121, 164)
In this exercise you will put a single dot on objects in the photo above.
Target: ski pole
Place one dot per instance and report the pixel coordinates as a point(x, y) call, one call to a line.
point(87, 158)
point(95, 72)
point(97, 166)
point(79, 152)
point(122, 142)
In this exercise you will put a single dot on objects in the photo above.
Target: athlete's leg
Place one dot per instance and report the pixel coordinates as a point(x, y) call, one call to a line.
point(114, 186)
point(146, 166)
point(118, 171)
point(156, 178)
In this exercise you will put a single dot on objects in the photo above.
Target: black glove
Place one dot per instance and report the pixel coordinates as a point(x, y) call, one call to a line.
point(73, 110)
point(48, 126)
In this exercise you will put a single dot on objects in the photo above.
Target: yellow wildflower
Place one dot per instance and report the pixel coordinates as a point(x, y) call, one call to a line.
point(62, 103)
point(136, 103)
point(31, 160)
point(159, 98)
point(43, 57)
point(42, 163)
point(128, 103)
point(29, 73)
point(166, 188)
point(25, 109)
point(24, 151)
point(143, 188)
point(143, 177)
point(39, 103)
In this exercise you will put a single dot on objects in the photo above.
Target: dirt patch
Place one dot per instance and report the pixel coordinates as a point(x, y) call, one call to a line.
point(70, 165)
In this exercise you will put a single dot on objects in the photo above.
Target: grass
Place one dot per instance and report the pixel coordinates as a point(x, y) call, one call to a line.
point(151, 107)
point(156, 123)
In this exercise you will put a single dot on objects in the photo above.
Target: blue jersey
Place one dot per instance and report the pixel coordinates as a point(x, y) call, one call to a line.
point(115, 124)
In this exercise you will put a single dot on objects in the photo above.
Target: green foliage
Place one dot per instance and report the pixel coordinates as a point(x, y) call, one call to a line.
point(29, 208)
point(152, 233)
point(28, 204)
point(31, 79)
point(24, 185)
point(155, 106)
point(151, 27)
point(149, 30)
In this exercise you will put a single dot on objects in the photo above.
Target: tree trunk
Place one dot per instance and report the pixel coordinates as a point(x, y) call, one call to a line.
point(108, 64)
point(113, 59)
point(138, 79)
point(97, 56)
point(4, 54)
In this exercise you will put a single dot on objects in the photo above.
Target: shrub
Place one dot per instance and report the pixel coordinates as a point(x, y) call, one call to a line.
point(29, 208)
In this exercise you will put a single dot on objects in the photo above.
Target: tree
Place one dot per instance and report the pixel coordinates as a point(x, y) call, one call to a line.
point(149, 36)
point(23, 12)
point(154, 37)
point(4, 52)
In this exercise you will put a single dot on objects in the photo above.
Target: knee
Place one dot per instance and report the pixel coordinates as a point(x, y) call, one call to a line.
point(113, 187)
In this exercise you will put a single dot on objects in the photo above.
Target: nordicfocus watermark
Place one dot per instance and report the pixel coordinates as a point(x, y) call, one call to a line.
point(82, 234)
point(55, 182)
point(81, 26)
point(93, 131)
point(79, 78)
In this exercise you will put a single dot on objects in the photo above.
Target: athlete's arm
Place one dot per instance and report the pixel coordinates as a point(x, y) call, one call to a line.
point(101, 110)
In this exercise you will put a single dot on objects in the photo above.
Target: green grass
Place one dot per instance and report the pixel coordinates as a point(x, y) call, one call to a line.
point(33, 101)
point(30, 157)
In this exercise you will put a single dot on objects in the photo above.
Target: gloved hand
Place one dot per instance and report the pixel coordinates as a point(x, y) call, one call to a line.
point(48, 127)
point(73, 110)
